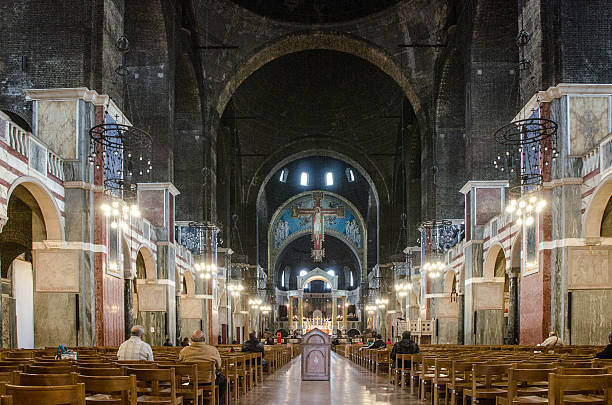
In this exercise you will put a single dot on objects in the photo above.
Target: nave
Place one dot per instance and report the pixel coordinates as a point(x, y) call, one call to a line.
point(349, 384)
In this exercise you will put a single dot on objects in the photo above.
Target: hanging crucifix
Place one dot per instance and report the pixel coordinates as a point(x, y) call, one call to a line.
point(318, 214)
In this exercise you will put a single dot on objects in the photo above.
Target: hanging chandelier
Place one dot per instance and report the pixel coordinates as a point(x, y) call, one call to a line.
point(531, 146)
point(525, 208)
point(124, 152)
point(120, 214)
point(434, 269)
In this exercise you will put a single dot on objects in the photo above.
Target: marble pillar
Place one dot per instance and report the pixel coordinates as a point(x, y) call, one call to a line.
point(178, 329)
point(461, 320)
point(128, 306)
point(300, 313)
point(344, 312)
point(334, 313)
point(290, 313)
point(512, 331)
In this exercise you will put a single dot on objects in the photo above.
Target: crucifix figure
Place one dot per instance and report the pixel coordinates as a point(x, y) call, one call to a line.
point(318, 214)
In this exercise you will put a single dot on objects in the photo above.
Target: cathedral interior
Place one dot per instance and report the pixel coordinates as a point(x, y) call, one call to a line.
point(442, 167)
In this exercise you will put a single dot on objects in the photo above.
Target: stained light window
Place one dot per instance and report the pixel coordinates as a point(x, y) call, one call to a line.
point(331, 272)
point(304, 179)
point(303, 273)
point(328, 286)
point(350, 176)
point(351, 277)
point(283, 175)
point(329, 179)
point(283, 279)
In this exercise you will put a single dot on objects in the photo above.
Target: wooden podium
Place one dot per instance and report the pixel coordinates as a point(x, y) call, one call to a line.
point(316, 347)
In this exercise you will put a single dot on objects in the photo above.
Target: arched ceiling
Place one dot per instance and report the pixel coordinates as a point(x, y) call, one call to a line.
point(326, 95)
point(315, 12)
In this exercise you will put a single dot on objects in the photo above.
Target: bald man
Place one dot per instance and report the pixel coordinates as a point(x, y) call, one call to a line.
point(200, 351)
point(135, 348)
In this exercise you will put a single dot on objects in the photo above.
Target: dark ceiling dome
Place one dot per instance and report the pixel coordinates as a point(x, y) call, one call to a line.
point(315, 11)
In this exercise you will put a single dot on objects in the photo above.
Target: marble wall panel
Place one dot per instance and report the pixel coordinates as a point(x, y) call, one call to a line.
point(447, 331)
point(588, 117)
point(191, 308)
point(488, 204)
point(113, 311)
point(488, 296)
point(591, 317)
point(531, 317)
point(444, 308)
point(154, 324)
point(57, 126)
point(589, 268)
point(55, 319)
point(151, 297)
point(152, 205)
point(489, 327)
point(56, 270)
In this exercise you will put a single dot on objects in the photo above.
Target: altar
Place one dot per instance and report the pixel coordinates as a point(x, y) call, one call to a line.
point(324, 325)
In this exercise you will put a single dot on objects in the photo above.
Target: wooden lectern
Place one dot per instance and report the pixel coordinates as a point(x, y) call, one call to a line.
point(316, 347)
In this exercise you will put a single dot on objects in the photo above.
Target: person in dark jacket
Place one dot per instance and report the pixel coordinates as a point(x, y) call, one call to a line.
point(607, 352)
point(378, 343)
point(404, 346)
point(253, 345)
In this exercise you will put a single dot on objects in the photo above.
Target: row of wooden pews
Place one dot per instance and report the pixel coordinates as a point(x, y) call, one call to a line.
point(495, 374)
point(97, 377)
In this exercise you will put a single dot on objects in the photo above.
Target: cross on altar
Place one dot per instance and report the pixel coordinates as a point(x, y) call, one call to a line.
point(318, 215)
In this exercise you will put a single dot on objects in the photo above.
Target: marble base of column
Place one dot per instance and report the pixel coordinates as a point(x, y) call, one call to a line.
point(460, 320)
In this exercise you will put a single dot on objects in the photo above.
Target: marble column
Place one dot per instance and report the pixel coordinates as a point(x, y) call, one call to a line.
point(513, 312)
point(334, 313)
point(460, 320)
point(344, 313)
point(290, 313)
point(128, 302)
point(178, 329)
point(300, 313)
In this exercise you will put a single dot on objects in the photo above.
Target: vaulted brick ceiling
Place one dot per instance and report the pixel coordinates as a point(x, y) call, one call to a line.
point(319, 94)
point(317, 11)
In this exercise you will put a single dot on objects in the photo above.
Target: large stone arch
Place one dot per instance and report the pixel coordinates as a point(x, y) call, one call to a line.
point(54, 224)
point(591, 225)
point(491, 259)
point(306, 41)
point(149, 262)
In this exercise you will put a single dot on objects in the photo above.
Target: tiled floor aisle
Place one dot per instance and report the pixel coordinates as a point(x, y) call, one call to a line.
point(349, 384)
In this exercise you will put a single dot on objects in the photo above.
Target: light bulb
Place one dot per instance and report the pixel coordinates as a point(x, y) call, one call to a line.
point(513, 202)
point(124, 208)
point(114, 225)
point(115, 204)
point(522, 204)
point(529, 208)
point(201, 275)
point(532, 199)
point(519, 221)
point(510, 209)
point(105, 207)
point(519, 212)
point(206, 276)
point(529, 220)
point(542, 204)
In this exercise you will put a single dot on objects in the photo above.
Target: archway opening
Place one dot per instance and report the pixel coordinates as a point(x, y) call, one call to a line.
point(25, 225)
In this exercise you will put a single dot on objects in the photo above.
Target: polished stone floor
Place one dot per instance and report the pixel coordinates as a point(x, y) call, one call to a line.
point(349, 384)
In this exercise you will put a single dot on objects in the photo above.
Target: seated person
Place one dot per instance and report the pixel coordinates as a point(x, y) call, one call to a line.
point(200, 351)
point(404, 346)
point(378, 343)
point(607, 352)
point(552, 340)
point(254, 346)
point(135, 348)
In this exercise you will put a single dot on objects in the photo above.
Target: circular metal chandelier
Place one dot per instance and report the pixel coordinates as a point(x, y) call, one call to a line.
point(125, 153)
point(531, 146)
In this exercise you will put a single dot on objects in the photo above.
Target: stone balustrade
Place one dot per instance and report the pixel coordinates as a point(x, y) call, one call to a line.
point(38, 155)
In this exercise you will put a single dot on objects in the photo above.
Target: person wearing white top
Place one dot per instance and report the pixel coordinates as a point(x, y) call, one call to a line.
point(552, 340)
point(135, 348)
